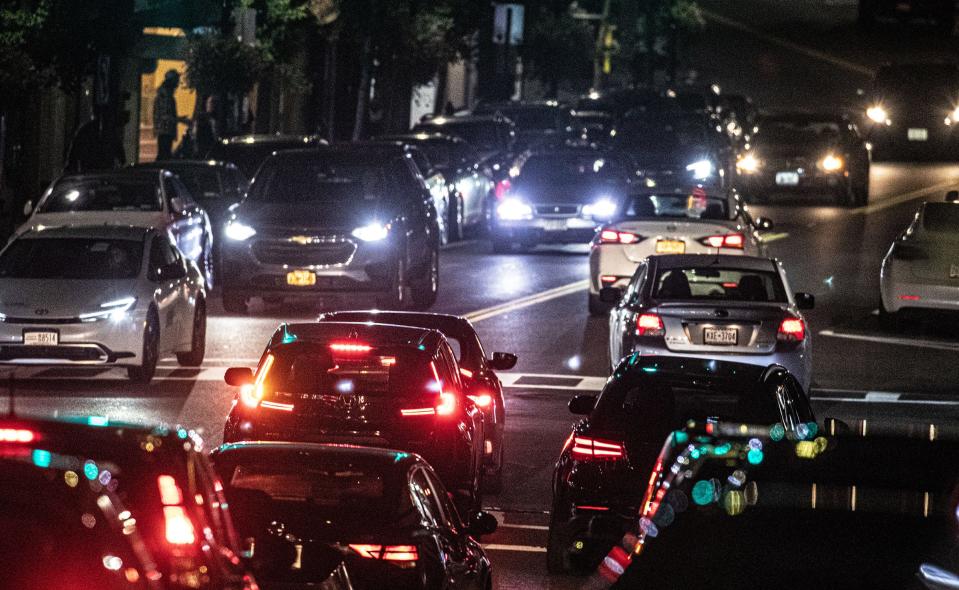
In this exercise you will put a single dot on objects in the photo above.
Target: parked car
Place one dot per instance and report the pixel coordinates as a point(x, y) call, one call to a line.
point(100, 295)
point(334, 222)
point(141, 198)
point(249, 151)
point(90, 503)
point(535, 121)
point(304, 507)
point(476, 370)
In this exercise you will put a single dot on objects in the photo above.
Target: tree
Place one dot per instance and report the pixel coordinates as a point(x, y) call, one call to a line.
point(558, 48)
point(222, 65)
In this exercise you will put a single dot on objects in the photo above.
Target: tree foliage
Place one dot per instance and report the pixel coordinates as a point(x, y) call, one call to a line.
point(222, 65)
point(558, 48)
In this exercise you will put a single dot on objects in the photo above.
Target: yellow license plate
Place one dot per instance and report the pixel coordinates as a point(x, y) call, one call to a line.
point(670, 247)
point(301, 278)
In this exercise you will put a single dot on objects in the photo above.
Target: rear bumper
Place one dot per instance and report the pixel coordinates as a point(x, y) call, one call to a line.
point(809, 182)
point(898, 295)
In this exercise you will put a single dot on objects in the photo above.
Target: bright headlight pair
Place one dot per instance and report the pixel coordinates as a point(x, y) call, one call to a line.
point(513, 209)
point(372, 232)
point(602, 208)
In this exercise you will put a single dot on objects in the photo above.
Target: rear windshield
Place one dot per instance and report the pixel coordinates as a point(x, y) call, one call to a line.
point(563, 168)
point(103, 194)
point(299, 180)
point(71, 258)
point(718, 284)
point(677, 207)
point(247, 157)
point(941, 217)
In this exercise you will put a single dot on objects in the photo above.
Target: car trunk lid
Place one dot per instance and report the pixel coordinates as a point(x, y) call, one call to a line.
point(673, 236)
point(722, 327)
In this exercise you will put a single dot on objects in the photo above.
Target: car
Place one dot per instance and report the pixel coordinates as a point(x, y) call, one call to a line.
point(736, 308)
point(620, 101)
point(910, 112)
point(384, 512)
point(248, 152)
point(605, 464)
point(805, 153)
point(873, 508)
point(652, 222)
point(493, 136)
point(334, 222)
point(93, 503)
point(371, 384)
point(476, 370)
point(557, 196)
point(921, 269)
point(469, 176)
point(142, 198)
point(592, 126)
point(536, 121)
point(942, 12)
point(100, 296)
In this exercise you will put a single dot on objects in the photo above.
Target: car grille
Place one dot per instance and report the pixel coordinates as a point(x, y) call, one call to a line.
point(59, 353)
point(331, 252)
point(564, 210)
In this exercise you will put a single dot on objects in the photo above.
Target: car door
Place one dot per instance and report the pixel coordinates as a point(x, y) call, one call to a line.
point(465, 564)
point(438, 546)
point(168, 273)
point(187, 220)
point(420, 214)
point(622, 315)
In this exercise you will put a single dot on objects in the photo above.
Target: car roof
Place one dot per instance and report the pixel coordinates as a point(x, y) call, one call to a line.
point(444, 323)
point(173, 165)
point(415, 138)
point(103, 231)
point(265, 139)
point(120, 173)
point(389, 459)
point(463, 119)
point(368, 333)
point(754, 263)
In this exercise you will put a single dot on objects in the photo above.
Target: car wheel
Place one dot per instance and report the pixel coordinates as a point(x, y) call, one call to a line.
point(234, 302)
point(559, 540)
point(395, 296)
point(143, 373)
point(424, 293)
point(194, 358)
point(596, 307)
point(890, 321)
point(455, 222)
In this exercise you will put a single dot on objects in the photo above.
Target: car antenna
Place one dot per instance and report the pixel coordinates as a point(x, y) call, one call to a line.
point(11, 389)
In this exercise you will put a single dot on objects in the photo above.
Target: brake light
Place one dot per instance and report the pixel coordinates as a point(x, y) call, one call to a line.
point(910, 297)
point(611, 236)
point(650, 324)
point(350, 347)
point(737, 241)
point(483, 400)
point(170, 494)
point(178, 527)
point(17, 435)
point(466, 373)
point(251, 394)
point(447, 404)
point(402, 555)
point(502, 187)
point(446, 401)
point(594, 448)
point(792, 330)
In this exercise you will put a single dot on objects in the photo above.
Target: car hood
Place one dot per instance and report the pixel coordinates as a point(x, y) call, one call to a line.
point(307, 215)
point(48, 299)
point(133, 218)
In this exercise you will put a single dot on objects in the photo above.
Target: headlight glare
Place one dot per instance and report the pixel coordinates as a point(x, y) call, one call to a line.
point(602, 208)
point(831, 163)
point(748, 164)
point(372, 232)
point(701, 169)
point(239, 232)
point(115, 310)
point(877, 114)
point(514, 210)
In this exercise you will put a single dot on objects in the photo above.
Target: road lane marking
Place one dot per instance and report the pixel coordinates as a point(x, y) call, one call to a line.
point(913, 342)
point(521, 548)
point(881, 396)
point(526, 527)
point(775, 237)
point(868, 400)
point(460, 244)
point(582, 382)
point(796, 47)
point(520, 303)
point(904, 197)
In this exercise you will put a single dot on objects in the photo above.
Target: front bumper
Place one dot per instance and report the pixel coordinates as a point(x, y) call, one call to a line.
point(108, 341)
point(780, 180)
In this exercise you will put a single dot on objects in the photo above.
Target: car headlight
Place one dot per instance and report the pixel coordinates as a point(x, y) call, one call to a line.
point(701, 169)
point(372, 232)
point(953, 117)
point(831, 163)
point(748, 164)
point(115, 310)
point(877, 114)
point(514, 210)
point(239, 232)
point(602, 208)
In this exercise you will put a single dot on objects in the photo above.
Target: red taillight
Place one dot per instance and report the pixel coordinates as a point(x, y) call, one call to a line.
point(910, 297)
point(737, 241)
point(170, 494)
point(611, 236)
point(17, 435)
point(483, 400)
point(445, 402)
point(252, 394)
point(650, 324)
point(502, 187)
point(402, 555)
point(350, 347)
point(276, 406)
point(178, 527)
point(594, 448)
point(792, 330)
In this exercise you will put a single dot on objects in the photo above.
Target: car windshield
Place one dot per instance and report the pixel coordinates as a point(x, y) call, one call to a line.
point(320, 180)
point(71, 258)
point(941, 217)
point(103, 194)
point(677, 207)
point(560, 168)
point(714, 283)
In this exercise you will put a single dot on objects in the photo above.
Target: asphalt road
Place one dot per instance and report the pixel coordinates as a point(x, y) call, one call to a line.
point(534, 304)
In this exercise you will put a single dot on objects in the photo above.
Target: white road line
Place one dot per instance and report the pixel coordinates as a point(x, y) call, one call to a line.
point(521, 548)
point(520, 303)
point(527, 527)
point(801, 49)
point(867, 400)
point(455, 245)
point(904, 197)
point(881, 396)
point(913, 342)
point(775, 237)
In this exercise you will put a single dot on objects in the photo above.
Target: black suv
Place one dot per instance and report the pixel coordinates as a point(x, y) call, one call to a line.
point(334, 222)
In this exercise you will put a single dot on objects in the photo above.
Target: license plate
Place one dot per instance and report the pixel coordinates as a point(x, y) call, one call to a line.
point(45, 338)
point(670, 247)
point(555, 225)
point(954, 271)
point(787, 178)
point(917, 134)
point(301, 278)
point(723, 336)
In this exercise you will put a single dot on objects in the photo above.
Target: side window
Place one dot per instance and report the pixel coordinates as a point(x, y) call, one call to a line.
point(425, 499)
point(451, 517)
point(446, 367)
point(162, 254)
point(634, 289)
point(170, 190)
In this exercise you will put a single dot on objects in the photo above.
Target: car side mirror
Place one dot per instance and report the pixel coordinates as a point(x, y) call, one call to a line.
point(28, 208)
point(238, 376)
point(805, 300)
point(610, 295)
point(952, 197)
point(482, 523)
point(581, 405)
point(764, 223)
point(503, 361)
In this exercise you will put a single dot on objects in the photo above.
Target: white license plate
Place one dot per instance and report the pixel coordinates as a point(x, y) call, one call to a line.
point(555, 225)
point(724, 336)
point(917, 134)
point(787, 178)
point(46, 338)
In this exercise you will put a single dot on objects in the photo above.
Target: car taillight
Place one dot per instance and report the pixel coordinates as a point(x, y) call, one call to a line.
point(650, 505)
point(483, 400)
point(792, 330)
point(401, 555)
point(252, 394)
point(737, 241)
point(17, 435)
point(650, 324)
point(445, 400)
point(612, 236)
point(502, 187)
point(585, 448)
point(178, 527)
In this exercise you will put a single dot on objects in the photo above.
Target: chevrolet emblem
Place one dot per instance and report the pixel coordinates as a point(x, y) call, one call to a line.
point(301, 240)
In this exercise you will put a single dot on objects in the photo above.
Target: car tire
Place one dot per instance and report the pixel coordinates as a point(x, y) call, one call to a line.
point(234, 302)
point(395, 296)
point(455, 222)
point(890, 321)
point(194, 358)
point(425, 291)
point(150, 354)
point(596, 307)
point(558, 542)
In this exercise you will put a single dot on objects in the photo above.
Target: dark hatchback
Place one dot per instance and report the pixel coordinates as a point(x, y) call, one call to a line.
point(604, 466)
point(477, 372)
point(370, 384)
point(332, 223)
point(302, 508)
point(94, 504)
point(249, 151)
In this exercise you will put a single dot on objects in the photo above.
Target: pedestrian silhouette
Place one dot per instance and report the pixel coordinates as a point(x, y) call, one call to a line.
point(165, 117)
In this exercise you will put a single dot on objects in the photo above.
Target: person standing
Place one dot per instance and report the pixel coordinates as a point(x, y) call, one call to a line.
point(206, 130)
point(165, 117)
